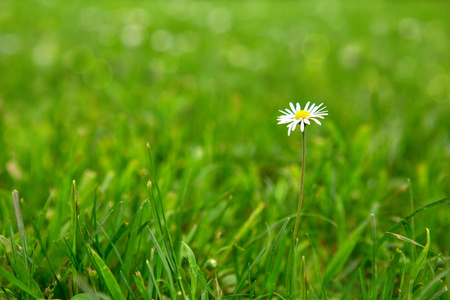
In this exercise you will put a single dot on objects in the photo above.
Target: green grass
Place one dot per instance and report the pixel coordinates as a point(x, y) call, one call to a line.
point(206, 209)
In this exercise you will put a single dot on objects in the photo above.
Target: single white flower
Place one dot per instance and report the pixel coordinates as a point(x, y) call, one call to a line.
point(297, 115)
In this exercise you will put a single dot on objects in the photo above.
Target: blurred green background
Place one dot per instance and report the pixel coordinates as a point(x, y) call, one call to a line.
point(83, 87)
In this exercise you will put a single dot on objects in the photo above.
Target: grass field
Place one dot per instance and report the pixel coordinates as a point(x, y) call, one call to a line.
point(206, 209)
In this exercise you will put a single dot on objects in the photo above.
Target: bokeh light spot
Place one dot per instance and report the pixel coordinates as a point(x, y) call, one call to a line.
point(100, 75)
point(409, 29)
point(44, 54)
point(405, 68)
point(161, 40)
point(91, 18)
point(107, 34)
point(220, 20)
point(136, 16)
point(435, 33)
point(132, 36)
point(79, 59)
point(185, 43)
point(10, 44)
point(429, 73)
point(350, 56)
point(380, 26)
point(316, 47)
point(239, 56)
point(437, 84)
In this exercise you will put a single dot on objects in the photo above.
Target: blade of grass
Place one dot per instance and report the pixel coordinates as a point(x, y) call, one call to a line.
point(278, 269)
point(417, 266)
point(374, 284)
point(217, 288)
point(189, 254)
point(405, 239)
point(317, 266)
point(163, 231)
point(279, 222)
point(432, 283)
point(165, 263)
point(18, 267)
point(13, 244)
point(141, 286)
point(253, 264)
point(393, 228)
point(439, 293)
point(153, 279)
point(389, 281)
point(107, 275)
point(86, 296)
point(247, 225)
point(73, 208)
point(235, 257)
point(130, 291)
point(123, 228)
point(105, 219)
point(195, 268)
point(94, 215)
point(19, 218)
point(338, 261)
point(297, 282)
point(402, 279)
point(363, 285)
point(171, 253)
point(19, 284)
point(250, 287)
point(271, 253)
point(411, 199)
point(180, 205)
point(290, 266)
point(305, 278)
point(72, 256)
point(130, 253)
point(410, 216)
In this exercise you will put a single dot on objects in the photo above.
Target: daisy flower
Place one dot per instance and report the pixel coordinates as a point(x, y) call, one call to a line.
point(297, 115)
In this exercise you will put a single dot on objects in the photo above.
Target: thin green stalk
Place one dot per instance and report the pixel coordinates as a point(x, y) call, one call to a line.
point(299, 210)
point(413, 236)
point(374, 259)
point(300, 197)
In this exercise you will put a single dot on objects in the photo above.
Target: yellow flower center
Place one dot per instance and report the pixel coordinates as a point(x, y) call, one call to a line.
point(301, 114)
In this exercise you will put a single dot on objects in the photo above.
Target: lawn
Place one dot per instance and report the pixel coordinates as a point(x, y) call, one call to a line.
point(140, 156)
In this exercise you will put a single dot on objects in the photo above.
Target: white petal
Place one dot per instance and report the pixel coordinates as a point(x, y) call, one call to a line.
point(289, 111)
point(307, 105)
point(311, 108)
point(290, 128)
point(294, 125)
point(292, 106)
point(317, 121)
point(298, 107)
point(302, 126)
point(285, 120)
point(319, 115)
point(315, 109)
point(307, 122)
point(287, 117)
point(322, 110)
point(283, 112)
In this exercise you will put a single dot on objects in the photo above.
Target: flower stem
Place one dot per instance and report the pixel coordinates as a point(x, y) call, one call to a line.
point(294, 236)
point(300, 197)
